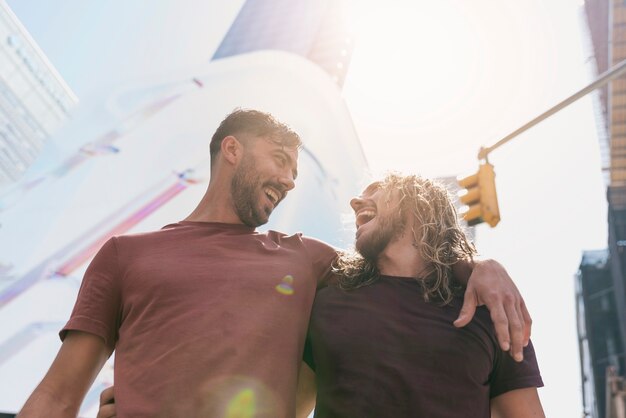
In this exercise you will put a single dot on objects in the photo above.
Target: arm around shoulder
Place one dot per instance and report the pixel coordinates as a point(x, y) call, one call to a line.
point(74, 369)
point(519, 403)
point(491, 285)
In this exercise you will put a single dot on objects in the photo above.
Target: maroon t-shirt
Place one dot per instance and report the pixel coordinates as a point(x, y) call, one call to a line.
point(382, 351)
point(205, 318)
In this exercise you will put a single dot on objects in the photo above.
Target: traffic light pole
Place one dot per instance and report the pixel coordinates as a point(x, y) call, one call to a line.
point(609, 75)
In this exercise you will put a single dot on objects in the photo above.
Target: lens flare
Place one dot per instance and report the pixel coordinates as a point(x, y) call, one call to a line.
point(237, 397)
point(243, 405)
point(286, 287)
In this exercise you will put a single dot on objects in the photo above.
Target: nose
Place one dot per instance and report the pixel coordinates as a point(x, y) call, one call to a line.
point(356, 203)
point(286, 182)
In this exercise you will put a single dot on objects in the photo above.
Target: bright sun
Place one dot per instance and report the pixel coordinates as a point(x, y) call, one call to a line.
point(445, 70)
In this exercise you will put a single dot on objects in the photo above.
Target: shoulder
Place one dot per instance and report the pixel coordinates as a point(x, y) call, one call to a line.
point(315, 244)
point(168, 231)
point(125, 247)
point(319, 254)
point(311, 244)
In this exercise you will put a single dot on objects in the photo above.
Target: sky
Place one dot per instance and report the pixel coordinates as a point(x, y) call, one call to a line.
point(428, 84)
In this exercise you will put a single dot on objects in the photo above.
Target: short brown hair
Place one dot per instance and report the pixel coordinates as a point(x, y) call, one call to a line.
point(254, 122)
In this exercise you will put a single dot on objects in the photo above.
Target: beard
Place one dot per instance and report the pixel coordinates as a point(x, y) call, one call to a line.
point(245, 188)
point(371, 244)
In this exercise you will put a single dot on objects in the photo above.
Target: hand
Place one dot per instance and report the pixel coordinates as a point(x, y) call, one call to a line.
point(107, 404)
point(490, 285)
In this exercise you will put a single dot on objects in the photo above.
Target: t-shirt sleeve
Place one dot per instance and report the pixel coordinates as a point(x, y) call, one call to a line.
point(322, 257)
point(97, 306)
point(509, 375)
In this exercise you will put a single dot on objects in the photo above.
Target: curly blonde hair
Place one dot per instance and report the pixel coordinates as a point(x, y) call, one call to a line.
point(437, 234)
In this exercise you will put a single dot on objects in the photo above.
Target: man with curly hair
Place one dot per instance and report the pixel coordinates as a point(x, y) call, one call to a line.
point(381, 339)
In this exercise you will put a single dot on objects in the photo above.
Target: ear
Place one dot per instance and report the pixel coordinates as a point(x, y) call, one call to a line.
point(231, 149)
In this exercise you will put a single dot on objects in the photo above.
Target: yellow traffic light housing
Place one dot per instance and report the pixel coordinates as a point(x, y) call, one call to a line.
point(480, 197)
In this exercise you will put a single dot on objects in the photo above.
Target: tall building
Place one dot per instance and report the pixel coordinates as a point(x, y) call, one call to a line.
point(316, 30)
point(34, 99)
point(600, 343)
point(601, 281)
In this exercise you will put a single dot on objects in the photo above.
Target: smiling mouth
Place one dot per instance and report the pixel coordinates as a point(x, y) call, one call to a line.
point(272, 195)
point(364, 217)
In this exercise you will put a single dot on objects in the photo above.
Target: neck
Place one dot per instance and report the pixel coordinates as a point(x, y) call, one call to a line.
point(401, 258)
point(216, 206)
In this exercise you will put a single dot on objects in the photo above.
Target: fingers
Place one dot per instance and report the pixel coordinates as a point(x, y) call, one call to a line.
point(106, 396)
point(516, 329)
point(501, 324)
point(106, 411)
point(107, 404)
point(470, 301)
point(492, 285)
point(528, 322)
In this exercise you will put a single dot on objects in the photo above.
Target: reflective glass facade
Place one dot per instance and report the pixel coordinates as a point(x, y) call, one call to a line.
point(34, 100)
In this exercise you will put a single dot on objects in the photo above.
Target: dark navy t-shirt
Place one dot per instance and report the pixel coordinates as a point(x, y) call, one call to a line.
point(382, 351)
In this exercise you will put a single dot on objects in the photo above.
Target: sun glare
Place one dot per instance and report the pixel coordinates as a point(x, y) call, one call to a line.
point(413, 56)
point(444, 70)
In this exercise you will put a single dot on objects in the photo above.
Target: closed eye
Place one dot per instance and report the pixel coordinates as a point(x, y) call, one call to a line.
point(282, 161)
point(371, 189)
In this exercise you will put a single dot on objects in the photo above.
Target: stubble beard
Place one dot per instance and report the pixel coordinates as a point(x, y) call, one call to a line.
point(371, 245)
point(244, 189)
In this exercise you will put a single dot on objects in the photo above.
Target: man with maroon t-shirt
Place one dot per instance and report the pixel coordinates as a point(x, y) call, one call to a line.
point(381, 339)
point(207, 315)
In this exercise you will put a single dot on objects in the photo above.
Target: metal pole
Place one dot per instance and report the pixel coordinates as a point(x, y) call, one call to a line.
point(609, 75)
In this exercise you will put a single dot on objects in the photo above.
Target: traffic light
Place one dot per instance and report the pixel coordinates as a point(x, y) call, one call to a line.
point(480, 197)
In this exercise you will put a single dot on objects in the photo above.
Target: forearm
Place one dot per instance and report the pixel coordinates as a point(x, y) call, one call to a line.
point(46, 402)
point(72, 372)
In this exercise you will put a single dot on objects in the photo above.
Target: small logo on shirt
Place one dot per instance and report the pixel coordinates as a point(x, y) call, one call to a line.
point(286, 286)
